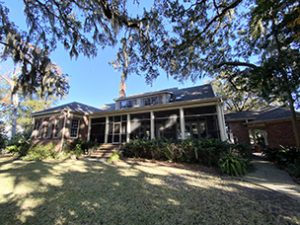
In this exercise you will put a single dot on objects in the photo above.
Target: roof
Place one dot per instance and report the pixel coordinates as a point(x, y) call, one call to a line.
point(170, 90)
point(277, 113)
point(244, 115)
point(177, 95)
point(75, 107)
point(197, 92)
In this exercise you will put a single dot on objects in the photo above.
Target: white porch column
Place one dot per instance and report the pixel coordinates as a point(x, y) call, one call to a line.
point(106, 130)
point(182, 123)
point(128, 128)
point(152, 124)
point(221, 122)
point(89, 129)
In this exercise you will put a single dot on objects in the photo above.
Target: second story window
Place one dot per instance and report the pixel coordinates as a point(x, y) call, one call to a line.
point(154, 100)
point(128, 103)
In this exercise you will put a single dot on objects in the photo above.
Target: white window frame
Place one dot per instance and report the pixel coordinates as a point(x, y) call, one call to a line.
point(78, 119)
point(56, 128)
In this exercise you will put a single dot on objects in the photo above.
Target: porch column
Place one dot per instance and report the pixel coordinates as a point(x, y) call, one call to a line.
point(89, 129)
point(128, 128)
point(182, 123)
point(221, 122)
point(106, 130)
point(152, 124)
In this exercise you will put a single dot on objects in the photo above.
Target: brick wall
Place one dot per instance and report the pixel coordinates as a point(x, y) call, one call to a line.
point(280, 133)
point(45, 129)
point(239, 131)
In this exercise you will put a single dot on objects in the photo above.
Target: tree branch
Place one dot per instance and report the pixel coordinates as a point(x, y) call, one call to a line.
point(236, 63)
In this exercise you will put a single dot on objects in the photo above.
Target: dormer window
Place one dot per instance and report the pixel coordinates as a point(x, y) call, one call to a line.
point(128, 103)
point(154, 100)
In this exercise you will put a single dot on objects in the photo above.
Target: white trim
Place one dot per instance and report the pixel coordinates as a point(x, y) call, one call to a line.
point(118, 134)
point(152, 125)
point(128, 128)
point(182, 123)
point(78, 119)
point(89, 130)
point(161, 107)
point(221, 122)
point(106, 130)
point(63, 130)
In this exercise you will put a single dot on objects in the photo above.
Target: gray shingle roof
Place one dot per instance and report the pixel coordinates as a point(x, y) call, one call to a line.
point(185, 94)
point(245, 115)
point(198, 92)
point(75, 107)
point(275, 114)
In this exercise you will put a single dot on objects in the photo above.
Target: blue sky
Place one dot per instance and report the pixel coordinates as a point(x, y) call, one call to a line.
point(94, 81)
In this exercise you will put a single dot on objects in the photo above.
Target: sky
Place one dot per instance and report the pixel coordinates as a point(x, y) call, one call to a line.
point(94, 81)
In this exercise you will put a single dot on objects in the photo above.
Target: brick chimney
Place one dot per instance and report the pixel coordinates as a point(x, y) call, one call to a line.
point(122, 91)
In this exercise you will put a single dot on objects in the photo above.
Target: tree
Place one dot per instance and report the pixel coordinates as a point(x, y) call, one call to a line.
point(255, 40)
point(236, 100)
point(3, 137)
point(17, 108)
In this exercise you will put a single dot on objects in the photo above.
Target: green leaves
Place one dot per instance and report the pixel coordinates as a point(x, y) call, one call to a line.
point(232, 165)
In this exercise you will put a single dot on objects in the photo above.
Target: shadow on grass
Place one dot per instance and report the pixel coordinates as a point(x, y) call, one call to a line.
point(80, 192)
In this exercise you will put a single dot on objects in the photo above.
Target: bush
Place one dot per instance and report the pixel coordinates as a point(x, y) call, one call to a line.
point(3, 137)
point(232, 165)
point(283, 155)
point(40, 152)
point(286, 157)
point(18, 145)
point(114, 157)
point(207, 152)
point(294, 168)
point(78, 147)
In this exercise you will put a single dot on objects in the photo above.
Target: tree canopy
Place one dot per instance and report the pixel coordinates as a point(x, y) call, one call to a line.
point(187, 39)
point(254, 43)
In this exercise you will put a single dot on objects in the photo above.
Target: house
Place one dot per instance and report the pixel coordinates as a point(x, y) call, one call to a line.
point(174, 113)
point(271, 127)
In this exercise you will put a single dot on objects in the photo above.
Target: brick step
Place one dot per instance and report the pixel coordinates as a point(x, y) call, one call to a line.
point(107, 147)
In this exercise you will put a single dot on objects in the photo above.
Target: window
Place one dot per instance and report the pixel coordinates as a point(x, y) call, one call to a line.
point(155, 100)
point(128, 103)
point(57, 126)
point(74, 128)
point(37, 124)
point(49, 130)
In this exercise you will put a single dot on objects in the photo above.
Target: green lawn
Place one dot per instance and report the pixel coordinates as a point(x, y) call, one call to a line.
point(81, 192)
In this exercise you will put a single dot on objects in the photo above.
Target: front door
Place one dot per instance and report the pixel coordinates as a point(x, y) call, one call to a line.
point(116, 133)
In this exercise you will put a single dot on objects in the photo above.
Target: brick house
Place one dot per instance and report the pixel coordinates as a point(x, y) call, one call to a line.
point(273, 127)
point(172, 113)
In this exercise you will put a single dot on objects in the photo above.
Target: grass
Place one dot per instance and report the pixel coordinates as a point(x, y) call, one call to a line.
point(133, 193)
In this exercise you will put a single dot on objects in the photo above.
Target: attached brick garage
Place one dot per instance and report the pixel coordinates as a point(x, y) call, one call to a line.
point(276, 125)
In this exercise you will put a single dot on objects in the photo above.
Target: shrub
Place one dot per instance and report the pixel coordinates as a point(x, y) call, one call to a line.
point(3, 137)
point(209, 152)
point(114, 157)
point(232, 165)
point(294, 168)
point(286, 157)
point(283, 155)
point(78, 147)
point(40, 152)
point(18, 145)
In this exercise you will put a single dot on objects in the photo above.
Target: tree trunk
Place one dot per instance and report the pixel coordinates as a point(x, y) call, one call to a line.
point(15, 104)
point(294, 121)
